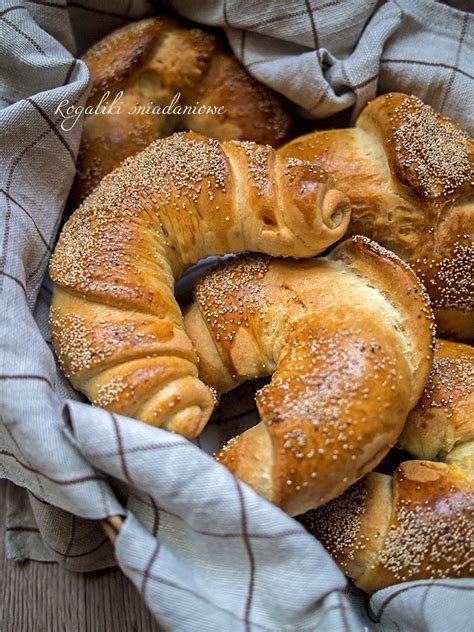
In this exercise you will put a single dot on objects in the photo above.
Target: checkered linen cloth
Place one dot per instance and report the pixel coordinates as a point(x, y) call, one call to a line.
point(203, 550)
point(329, 55)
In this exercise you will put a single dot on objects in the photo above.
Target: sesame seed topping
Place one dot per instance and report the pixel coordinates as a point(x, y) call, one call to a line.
point(454, 279)
point(215, 293)
point(110, 392)
point(258, 163)
point(338, 524)
point(451, 379)
point(192, 166)
point(424, 538)
point(433, 150)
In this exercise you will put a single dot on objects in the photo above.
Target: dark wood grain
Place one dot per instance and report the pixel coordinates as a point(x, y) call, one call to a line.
point(40, 597)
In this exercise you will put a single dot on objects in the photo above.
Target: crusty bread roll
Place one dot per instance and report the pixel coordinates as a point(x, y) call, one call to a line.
point(348, 339)
point(151, 61)
point(418, 524)
point(408, 173)
point(115, 324)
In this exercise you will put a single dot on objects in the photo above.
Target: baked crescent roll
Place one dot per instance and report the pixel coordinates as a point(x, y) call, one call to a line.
point(115, 324)
point(408, 172)
point(150, 62)
point(348, 340)
point(418, 524)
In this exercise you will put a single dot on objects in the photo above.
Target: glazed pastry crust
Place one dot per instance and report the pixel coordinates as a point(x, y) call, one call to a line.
point(418, 524)
point(408, 172)
point(348, 341)
point(151, 61)
point(115, 323)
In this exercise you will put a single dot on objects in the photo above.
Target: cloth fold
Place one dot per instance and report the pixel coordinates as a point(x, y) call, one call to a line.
point(328, 56)
point(213, 545)
point(201, 547)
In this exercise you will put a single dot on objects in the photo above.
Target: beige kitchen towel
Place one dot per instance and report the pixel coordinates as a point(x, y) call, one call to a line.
point(331, 55)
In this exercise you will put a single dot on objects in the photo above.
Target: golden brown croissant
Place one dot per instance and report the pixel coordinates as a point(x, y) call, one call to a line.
point(408, 172)
point(151, 61)
point(348, 339)
point(420, 523)
point(115, 324)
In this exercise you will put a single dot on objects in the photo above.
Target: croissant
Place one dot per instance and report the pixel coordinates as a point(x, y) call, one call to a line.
point(418, 524)
point(115, 324)
point(408, 173)
point(348, 339)
point(158, 62)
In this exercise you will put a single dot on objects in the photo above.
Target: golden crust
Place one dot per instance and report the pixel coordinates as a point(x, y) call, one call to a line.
point(342, 351)
point(115, 323)
point(112, 60)
point(353, 526)
point(427, 152)
point(445, 413)
point(408, 173)
point(151, 61)
point(316, 413)
point(432, 524)
point(401, 288)
point(418, 524)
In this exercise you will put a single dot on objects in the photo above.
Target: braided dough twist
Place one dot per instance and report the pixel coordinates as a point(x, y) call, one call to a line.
point(348, 340)
point(115, 324)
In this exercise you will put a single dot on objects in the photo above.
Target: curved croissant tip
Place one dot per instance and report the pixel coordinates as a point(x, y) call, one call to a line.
point(336, 211)
point(188, 422)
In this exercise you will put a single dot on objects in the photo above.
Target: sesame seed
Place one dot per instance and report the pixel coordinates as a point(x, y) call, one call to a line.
point(432, 149)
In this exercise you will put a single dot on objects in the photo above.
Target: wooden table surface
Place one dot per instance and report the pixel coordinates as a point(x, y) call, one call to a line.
point(42, 597)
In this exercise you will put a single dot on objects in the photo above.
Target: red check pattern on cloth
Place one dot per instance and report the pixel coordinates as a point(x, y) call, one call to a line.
point(203, 550)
